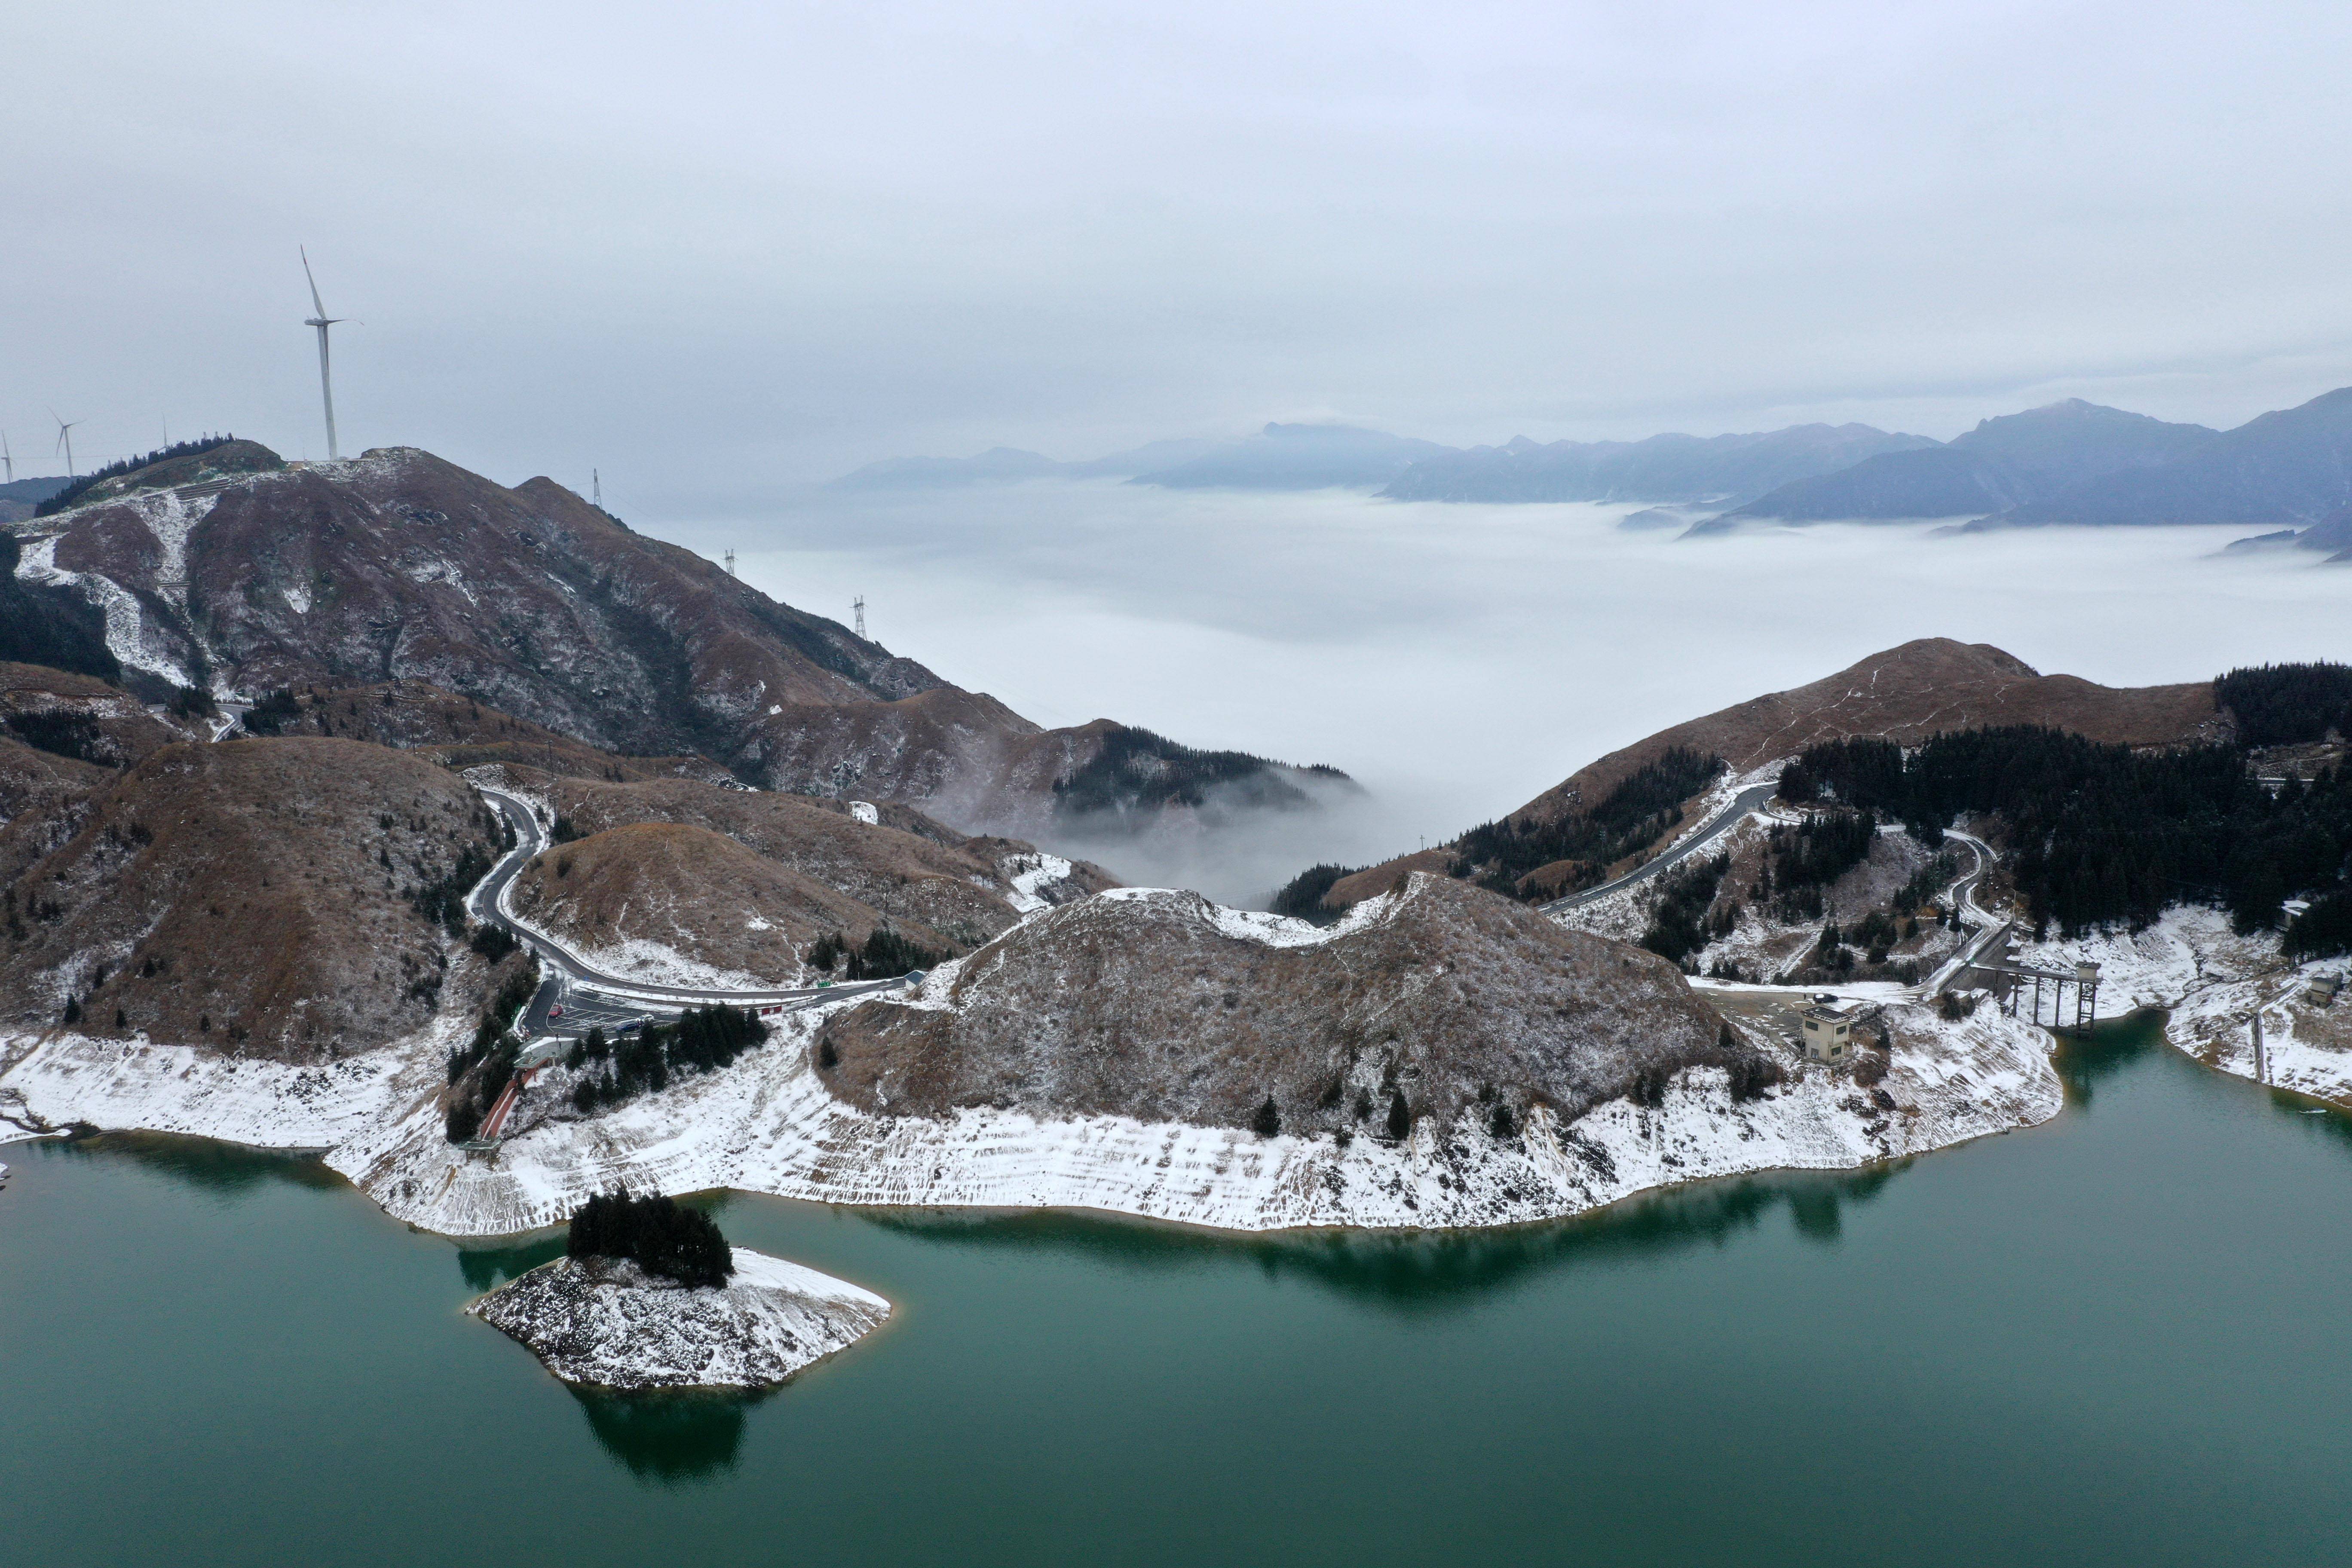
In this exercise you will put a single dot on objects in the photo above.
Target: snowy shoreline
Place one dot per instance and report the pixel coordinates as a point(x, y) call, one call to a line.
point(2211, 982)
point(605, 1323)
point(768, 1124)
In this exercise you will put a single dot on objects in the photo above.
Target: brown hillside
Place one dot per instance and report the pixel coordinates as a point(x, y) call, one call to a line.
point(1908, 694)
point(126, 731)
point(463, 731)
point(699, 893)
point(397, 566)
point(913, 877)
point(251, 896)
point(43, 798)
point(1141, 1004)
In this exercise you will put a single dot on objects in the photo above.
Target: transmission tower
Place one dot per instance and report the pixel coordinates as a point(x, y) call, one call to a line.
point(860, 607)
point(596, 489)
point(731, 564)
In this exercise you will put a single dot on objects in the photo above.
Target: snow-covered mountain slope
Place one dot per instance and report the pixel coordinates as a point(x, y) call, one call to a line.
point(770, 1122)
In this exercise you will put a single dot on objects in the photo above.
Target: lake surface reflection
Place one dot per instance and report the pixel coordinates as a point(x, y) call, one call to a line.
point(2115, 1339)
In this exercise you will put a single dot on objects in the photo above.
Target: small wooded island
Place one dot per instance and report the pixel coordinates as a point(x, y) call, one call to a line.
point(649, 1295)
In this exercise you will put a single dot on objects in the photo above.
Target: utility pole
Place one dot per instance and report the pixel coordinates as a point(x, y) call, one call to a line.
point(859, 606)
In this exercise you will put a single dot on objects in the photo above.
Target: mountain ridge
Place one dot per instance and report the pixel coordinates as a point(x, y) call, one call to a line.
point(1905, 694)
point(1663, 468)
point(400, 565)
point(2004, 462)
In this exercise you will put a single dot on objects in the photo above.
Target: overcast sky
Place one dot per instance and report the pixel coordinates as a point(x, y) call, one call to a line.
point(715, 248)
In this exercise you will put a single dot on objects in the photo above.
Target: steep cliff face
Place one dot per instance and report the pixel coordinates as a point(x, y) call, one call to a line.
point(399, 567)
point(255, 898)
point(1163, 1008)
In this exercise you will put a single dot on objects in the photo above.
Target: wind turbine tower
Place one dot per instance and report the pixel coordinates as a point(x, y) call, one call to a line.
point(322, 320)
point(7, 456)
point(65, 441)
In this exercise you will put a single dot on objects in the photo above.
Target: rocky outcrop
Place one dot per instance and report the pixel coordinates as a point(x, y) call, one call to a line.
point(607, 1323)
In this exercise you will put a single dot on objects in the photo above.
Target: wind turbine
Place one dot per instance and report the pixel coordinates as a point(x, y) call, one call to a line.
point(7, 456)
point(65, 440)
point(322, 321)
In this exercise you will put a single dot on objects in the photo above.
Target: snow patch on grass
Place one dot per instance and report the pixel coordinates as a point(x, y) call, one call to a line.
point(1030, 875)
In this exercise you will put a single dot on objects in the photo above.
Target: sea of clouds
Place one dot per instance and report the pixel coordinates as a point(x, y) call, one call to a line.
point(1458, 660)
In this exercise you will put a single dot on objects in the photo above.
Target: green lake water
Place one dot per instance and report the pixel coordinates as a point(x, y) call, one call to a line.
point(2121, 1338)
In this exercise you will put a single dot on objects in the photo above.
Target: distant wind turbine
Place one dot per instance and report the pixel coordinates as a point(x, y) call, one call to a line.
point(322, 321)
point(7, 456)
point(65, 441)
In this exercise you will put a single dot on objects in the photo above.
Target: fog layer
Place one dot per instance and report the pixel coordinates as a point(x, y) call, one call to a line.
point(1459, 659)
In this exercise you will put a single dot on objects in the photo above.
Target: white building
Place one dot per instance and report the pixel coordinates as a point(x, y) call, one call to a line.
point(1829, 1031)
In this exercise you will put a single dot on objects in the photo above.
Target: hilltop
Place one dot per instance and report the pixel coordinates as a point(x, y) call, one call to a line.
point(1181, 1012)
point(231, 572)
point(678, 875)
point(1905, 694)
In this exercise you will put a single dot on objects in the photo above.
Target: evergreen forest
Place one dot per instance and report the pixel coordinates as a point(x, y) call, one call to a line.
point(658, 1234)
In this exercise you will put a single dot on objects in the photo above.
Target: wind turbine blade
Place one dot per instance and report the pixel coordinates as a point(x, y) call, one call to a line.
point(315, 303)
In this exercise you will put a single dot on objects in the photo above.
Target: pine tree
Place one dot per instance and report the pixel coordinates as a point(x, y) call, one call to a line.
point(1268, 1120)
point(1400, 1116)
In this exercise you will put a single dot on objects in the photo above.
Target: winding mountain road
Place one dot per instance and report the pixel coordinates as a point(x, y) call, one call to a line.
point(607, 993)
point(1722, 822)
